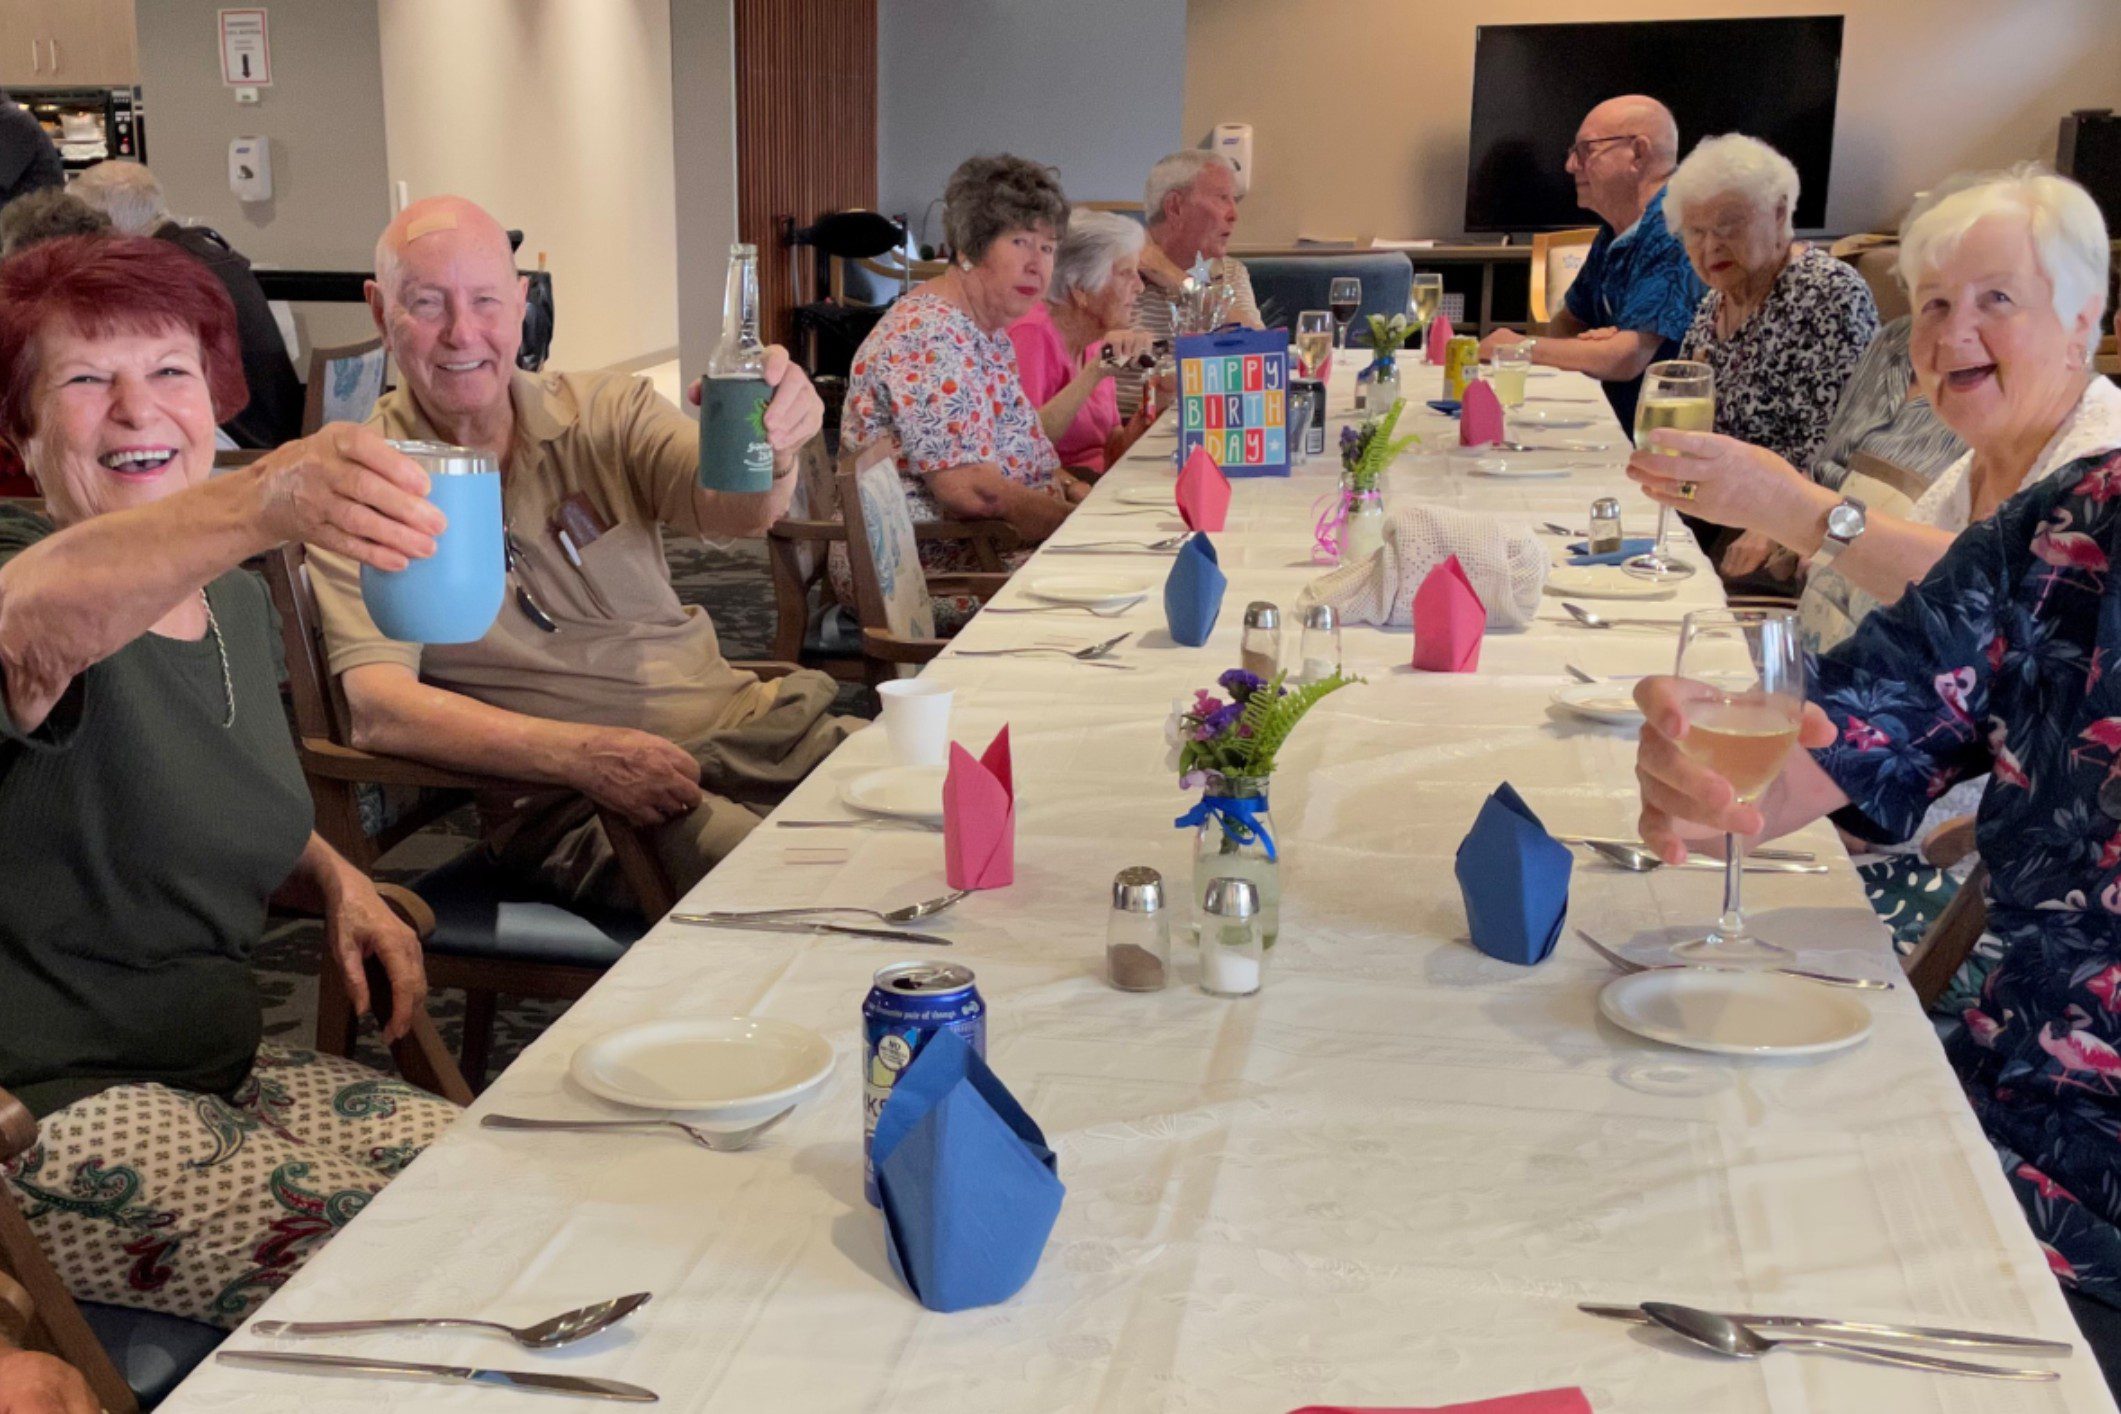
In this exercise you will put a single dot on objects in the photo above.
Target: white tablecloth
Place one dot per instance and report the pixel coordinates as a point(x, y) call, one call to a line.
point(1386, 1180)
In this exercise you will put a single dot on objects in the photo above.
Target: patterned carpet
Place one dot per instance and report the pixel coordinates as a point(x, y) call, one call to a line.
point(729, 581)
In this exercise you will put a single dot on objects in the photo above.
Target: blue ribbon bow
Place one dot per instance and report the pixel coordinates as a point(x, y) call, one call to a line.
point(1238, 815)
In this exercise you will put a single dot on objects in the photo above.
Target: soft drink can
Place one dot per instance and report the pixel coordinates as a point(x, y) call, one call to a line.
point(1460, 357)
point(909, 1002)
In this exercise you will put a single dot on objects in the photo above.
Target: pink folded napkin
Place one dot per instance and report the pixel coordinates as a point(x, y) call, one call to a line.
point(1436, 340)
point(1449, 620)
point(979, 818)
point(1545, 1401)
point(1203, 493)
point(1479, 416)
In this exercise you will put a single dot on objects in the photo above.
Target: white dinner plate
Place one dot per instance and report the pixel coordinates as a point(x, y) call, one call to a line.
point(1099, 591)
point(1734, 1012)
point(1502, 467)
point(736, 1069)
point(1603, 582)
point(909, 792)
point(1148, 496)
point(1612, 702)
point(1545, 417)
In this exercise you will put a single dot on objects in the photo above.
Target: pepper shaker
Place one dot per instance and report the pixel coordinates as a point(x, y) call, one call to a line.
point(1232, 956)
point(1605, 526)
point(1138, 934)
point(1320, 655)
point(1260, 651)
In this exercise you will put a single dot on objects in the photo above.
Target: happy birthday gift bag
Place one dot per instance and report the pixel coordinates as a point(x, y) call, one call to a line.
point(1233, 399)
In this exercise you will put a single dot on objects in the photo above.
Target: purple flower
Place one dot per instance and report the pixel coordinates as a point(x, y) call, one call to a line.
point(1240, 684)
point(1193, 780)
point(1224, 718)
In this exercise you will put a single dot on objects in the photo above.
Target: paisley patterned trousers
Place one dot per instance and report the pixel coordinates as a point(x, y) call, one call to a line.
point(201, 1206)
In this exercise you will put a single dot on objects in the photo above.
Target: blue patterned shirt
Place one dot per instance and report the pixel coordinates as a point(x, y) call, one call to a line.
point(1641, 280)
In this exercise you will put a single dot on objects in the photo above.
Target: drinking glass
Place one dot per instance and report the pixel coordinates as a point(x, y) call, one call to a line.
point(1681, 394)
point(1508, 365)
point(1423, 301)
point(1314, 339)
point(1742, 673)
point(1345, 295)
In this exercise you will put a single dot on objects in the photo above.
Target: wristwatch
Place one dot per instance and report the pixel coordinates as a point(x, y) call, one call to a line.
point(1843, 524)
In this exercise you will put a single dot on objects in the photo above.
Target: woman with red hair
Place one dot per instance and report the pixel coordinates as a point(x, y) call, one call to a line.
point(151, 805)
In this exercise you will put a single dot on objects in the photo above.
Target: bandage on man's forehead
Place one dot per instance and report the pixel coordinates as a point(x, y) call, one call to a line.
point(428, 225)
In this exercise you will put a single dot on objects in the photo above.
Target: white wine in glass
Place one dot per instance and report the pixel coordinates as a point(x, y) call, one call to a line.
point(1423, 301)
point(1314, 339)
point(1682, 395)
point(1743, 672)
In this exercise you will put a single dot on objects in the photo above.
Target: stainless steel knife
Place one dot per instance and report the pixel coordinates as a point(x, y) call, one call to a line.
point(532, 1380)
point(795, 925)
point(1821, 1325)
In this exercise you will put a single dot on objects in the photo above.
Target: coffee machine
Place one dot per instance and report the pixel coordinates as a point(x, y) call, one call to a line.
point(88, 125)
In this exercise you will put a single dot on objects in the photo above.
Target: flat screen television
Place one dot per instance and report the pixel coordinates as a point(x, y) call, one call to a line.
point(1774, 79)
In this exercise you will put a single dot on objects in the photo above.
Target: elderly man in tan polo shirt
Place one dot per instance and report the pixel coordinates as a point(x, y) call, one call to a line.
point(621, 694)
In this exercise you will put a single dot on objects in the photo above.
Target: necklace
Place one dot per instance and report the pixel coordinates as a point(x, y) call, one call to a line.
point(228, 684)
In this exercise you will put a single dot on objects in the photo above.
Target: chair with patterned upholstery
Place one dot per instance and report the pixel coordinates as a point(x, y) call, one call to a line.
point(894, 596)
point(344, 384)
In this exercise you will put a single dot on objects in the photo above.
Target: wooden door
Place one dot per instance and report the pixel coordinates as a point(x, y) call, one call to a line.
point(805, 128)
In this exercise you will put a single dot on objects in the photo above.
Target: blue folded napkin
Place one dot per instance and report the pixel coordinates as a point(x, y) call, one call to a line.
point(1580, 551)
point(969, 1187)
point(1193, 594)
point(1447, 406)
point(1514, 877)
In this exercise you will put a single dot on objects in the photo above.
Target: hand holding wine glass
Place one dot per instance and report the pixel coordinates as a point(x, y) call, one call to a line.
point(1678, 394)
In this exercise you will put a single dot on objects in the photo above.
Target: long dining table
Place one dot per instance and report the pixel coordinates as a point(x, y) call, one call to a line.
point(1386, 1179)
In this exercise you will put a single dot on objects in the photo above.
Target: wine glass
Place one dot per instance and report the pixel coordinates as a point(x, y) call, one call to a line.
point(1742, 676)
point(1345, 295)
point(1423, 300)
point(1314, 339)
point(1675, 393)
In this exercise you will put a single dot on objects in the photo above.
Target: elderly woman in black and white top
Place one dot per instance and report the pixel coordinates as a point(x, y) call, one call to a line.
point(1783, 323)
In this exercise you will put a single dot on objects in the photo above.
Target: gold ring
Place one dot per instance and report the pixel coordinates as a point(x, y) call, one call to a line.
point(1687, 490)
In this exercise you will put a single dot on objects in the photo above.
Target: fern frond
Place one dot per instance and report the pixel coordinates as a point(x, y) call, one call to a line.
point(1272, 730)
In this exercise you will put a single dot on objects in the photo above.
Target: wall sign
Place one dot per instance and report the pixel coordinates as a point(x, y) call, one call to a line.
point(246, 54)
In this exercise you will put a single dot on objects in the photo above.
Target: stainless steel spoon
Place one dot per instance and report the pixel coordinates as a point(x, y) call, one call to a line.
point(1590, 619)
point(1727, 1337)
point(1637, 860)
point(926, 908)
point(1112, 613)
point(1089, 654)
point(562, 1329)
point(1122, 547)
point(722, 1141)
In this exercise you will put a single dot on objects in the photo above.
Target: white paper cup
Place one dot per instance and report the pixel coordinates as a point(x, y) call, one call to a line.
point(916, 721)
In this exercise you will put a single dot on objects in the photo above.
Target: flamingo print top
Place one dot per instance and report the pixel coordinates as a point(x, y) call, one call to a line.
point(2007, 659)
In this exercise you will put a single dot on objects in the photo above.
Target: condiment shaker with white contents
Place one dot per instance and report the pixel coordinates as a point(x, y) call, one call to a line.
point(1320, 654)
point(1138, 934)
point(1260, 651)
point(1232, 956)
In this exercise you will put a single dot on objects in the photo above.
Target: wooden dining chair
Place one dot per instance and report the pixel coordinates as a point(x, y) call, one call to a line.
point(344, 383)
point(493, 937)
point(133, 1358)
point(1938, 957)
point(894, 596)
point(1557, 256)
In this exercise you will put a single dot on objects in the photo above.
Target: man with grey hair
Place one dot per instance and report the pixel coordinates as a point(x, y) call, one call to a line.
point(1189, 204)
point(1634, 298)
point(130, 196)
point(47, 215)
point(594, 681)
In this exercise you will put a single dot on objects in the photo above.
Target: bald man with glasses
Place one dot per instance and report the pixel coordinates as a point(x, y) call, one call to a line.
point(1634, 298)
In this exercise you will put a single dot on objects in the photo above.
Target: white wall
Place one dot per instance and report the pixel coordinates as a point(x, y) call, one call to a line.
point(703, 60)
point(1927, 87)
point(1095, 87)
point(556, 116)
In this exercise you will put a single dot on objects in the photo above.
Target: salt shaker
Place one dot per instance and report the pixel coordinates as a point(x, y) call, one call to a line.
point(1138, 934)
point(1320, 655)
point(1232, 956)
point(1260, 651)
point(1605, 526)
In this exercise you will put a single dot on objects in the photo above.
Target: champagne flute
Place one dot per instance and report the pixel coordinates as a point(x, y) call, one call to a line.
point(1345, 295)
point(1314, 340)
point(1681, 394)
point(1423, 300)
point(1742, 673)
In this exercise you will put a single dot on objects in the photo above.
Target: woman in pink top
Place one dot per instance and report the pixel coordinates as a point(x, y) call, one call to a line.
point(1060, 342)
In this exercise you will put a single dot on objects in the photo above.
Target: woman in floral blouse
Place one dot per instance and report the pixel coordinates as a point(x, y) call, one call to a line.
point(1783, 324)
point(2006, 659)
point(939, 375)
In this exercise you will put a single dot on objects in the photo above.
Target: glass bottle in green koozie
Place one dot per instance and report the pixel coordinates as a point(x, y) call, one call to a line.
point(734, 452)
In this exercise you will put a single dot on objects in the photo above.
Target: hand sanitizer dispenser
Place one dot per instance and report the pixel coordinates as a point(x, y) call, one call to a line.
point(250, 168)
point(1234, 141)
